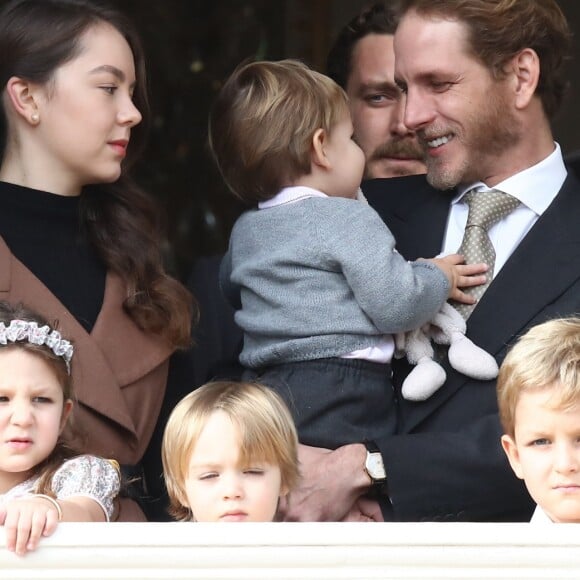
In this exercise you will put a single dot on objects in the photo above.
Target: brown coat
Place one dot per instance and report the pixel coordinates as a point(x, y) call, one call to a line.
point(119, 372)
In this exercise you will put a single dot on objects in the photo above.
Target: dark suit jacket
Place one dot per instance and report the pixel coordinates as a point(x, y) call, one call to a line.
point(218, 340)
point(572, 161)
point(447, 463)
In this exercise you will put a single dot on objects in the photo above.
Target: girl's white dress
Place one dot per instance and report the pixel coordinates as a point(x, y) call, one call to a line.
point(84, 475)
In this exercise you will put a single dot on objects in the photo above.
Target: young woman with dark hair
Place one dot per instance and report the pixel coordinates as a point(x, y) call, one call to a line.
point(79, 242)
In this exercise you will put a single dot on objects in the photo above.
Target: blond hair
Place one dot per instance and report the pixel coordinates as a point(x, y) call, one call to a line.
point(263, 121)
point(267, 433)
point(546, 357)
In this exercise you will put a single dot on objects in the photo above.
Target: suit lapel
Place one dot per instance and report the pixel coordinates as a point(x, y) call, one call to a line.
point(541, 268)
point(415, 212)
point(130, 352)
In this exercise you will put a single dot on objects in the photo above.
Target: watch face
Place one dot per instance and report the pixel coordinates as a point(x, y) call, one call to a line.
point(375, 466)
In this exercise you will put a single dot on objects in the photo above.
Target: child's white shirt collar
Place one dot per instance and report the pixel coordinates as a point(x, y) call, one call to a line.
point(290, 195)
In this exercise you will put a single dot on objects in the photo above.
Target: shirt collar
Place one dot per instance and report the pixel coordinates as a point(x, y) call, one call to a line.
point(535, 187)
point(540, 517)
point(289, 195)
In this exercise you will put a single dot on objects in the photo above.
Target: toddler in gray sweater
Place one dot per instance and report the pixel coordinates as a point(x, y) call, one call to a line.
point(318, 286)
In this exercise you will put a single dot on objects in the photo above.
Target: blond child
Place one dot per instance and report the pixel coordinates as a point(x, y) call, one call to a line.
point(313, 273)
point(229, 454)
point(42, 480)
point(539, 403)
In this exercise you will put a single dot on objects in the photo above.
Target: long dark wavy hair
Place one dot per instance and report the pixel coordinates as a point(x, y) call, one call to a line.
point(38, 36)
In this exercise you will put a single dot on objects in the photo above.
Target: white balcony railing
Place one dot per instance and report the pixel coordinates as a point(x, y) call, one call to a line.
point(300, 551)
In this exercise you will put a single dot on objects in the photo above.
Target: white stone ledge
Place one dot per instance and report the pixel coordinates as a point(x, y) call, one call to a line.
point(300, 551)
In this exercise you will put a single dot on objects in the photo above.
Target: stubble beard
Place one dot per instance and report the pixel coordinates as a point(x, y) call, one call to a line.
point(489, 133)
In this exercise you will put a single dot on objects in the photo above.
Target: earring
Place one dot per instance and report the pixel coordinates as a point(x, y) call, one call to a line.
point(34, 118)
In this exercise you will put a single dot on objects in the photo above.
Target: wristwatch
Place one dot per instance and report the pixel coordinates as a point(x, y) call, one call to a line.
point(375, 467)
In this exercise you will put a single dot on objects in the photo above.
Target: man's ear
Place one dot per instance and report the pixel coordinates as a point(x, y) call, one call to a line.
point(525, 67)
point(22, 96)
point(319, 141)
point(511, 450)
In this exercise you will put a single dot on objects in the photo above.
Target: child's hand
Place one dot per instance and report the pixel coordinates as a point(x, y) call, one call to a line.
point(461, 275)
point(25, 520)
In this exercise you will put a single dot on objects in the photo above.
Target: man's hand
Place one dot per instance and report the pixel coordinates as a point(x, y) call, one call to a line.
point(331, 482)
point(364, 509)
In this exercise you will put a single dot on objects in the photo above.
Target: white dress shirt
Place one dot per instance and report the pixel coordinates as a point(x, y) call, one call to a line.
point(535, 187)
point(540, 517)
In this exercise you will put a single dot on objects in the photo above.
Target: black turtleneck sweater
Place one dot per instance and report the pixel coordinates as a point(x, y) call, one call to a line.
point(43, 231)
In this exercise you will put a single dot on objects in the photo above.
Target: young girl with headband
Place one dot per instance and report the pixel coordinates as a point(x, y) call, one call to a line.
point(42, 480)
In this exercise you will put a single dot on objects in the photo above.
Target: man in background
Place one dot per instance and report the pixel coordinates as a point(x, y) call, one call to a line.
point(362, 62)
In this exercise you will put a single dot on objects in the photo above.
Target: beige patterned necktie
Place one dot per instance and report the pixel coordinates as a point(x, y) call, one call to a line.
point(486, 208)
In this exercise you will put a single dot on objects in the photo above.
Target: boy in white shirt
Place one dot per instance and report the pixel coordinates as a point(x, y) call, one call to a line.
point(539, 403)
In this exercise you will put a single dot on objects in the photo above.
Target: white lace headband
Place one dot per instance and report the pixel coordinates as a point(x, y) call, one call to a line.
point(43, 335)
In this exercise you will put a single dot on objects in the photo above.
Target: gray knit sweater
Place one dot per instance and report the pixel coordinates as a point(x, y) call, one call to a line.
point(320, 277)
